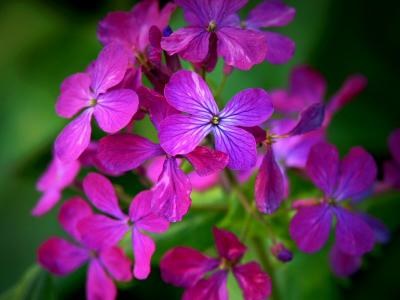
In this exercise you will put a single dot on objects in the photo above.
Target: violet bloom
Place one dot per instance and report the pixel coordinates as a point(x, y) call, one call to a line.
point(109, 230)
point(181, 133)
point(273, 13)
point(188, 268)
point(213, 32)
point(62, 257)
point(90, 93)
point(57, 176)
point(339, 181)
point(392, 168)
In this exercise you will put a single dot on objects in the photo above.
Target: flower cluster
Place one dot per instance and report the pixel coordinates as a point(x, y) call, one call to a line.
point(201, 146)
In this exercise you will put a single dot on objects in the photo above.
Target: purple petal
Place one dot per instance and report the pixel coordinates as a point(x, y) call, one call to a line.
point(188, 92)
point(98, 284)
point(115, 109)
point(203, 183)
point(357, 174)
point(172, 192)
point(253, 281)
point(311, 119)
point(323, 167)
point(143, 249)
point(117, 27)
point(241, 48)
point(207, 161)
point(184, 266)
point(381, 232)
point(75, 95)
point(58, 175)
point(117, 263)
point(181, 134)
point(141, 214)
point(124, 152)
point(228, 245)
point(269, 186)
point(101, 193)
point(353, 235)
point(46, 202)
point(238, 144)
point(61, 257)
point(71, 212)
point(247, 108)
point(394, 145)
point(154, 168)
point(212, 288)
point(310, 227)
point(280, 49)
point(271, 13)
point(343, 264)
point(109, 68)
point(74, 138)
point(391, 171)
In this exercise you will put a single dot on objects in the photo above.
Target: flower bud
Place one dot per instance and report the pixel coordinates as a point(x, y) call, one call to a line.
point(281, 252)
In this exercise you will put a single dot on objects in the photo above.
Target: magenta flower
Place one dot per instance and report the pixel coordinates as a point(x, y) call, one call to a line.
point(213, 32)
point(273, 13)
point(180, 134)
point(57, 176)
point(90, 92)
point(392, 168)
point(109, 230)
point(339, 181)
point(186, 267)
point(62, 257)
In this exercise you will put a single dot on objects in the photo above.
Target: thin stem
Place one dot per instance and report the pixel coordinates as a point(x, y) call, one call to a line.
point(203, 72)
point(221, 86)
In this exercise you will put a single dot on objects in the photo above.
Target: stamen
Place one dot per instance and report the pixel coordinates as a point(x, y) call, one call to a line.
point(212, 26)
point(93, 102)
point(215, 120)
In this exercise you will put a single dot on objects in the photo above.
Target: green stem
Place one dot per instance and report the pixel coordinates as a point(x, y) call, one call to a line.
point(221, 86)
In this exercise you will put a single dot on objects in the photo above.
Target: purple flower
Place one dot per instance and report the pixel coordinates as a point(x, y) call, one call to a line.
point(281, 252)
point(109, 230)
point(186, 267)
point(273, 13)
point(57, 176)
point(90, 92)
point(213, 31)
point(339, 181)
point(181, 133)
point(62, 257)
point(392, 168)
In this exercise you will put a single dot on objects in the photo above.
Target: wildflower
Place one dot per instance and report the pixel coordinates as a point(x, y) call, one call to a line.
point(186, 267)
point(62, 257)
point(281, 252)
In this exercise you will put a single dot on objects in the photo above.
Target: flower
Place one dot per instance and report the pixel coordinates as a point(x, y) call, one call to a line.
point(213, 32)
point(186, 267)
point(108, 231)
point(180, 134)
point(273, 13)
point(113, 109)
point(62, 257)
point(392, 168)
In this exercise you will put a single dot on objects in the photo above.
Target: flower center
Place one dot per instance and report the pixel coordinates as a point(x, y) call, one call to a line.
point(225, 264)
point(212, 26)
point(93, 102)
point(215, 120)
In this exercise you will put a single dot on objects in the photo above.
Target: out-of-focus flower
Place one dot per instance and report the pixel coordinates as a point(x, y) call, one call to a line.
point(392, 168)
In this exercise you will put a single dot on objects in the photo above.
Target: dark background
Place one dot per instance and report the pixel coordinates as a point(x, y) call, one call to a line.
point(42, 42)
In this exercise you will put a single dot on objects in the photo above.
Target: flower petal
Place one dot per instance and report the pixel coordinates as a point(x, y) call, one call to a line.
point(394, 145)
point(61, 257)
point(228, 245)
point(271, 13)
point(117, 27)
point(254, 282)
point(238, 144)
point(180, 134)
point(74, 138)
point(203, 183)
point(280, 49)
point(101, 193)
point(143, 249)
point(117, 263)
point(172, 192)
point(310, 227)
point(323, 167)
point(207, 161)
point(115, 109)
point(184, 266)
point(58, 175)
point(357, 174)
point(212, 288)
point(311, 118)
point(343, 264)
point(98, 284)
point(353, 234)
point(46, 202)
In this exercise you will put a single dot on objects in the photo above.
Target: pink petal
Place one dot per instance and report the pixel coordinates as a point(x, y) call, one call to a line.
point(115, 109)
point(203, 183)
point(247, 108)
point(117, 263)
point(143, 249)
point(154, 168)
point(98, 284)
point(75, 95)
point(74, 138)
point(238, 144)
point(184, 266)
point(172, 192)
point(124, 152)
point(117, 27)
point(343, 264)
point(280, 49)
point(228, 245)
point(241, 48)
point(207, 161)
point(311, 118)
point(61, 257)
point(310, 227)
point(394, 145)
point(212, 288)
point(271, 13)
point(254, 282)
point(101, 193)
point(46, 202)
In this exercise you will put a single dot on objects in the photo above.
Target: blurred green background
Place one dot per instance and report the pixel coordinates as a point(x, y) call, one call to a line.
point(44, 41)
